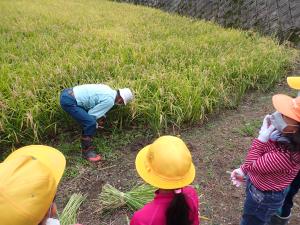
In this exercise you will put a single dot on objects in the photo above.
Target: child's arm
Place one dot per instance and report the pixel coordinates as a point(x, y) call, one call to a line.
point(257, 150)
point(261, 145)
point(269, 162)
point(193, 201)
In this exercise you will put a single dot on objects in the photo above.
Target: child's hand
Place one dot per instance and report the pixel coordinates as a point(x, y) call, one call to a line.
point(51, 221)
point(237, 177)
point(266, 129)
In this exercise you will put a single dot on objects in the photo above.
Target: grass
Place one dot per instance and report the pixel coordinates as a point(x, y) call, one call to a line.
point(250, 128)
point(180, 69)
point(107, 143)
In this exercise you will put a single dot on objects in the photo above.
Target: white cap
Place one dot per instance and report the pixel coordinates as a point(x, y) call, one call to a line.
point(126, 95)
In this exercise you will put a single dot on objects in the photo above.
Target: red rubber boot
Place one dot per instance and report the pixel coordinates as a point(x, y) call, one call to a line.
point(88, 150)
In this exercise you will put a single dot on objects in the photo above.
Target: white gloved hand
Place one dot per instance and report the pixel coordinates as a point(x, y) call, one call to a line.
point(51, 221)
point(266, 129)
point(237, 177)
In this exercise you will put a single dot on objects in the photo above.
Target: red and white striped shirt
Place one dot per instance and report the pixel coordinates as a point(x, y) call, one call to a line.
point(269, 167)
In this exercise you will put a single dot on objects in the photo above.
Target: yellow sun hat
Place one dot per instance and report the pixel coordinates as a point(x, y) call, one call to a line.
point(294, 82)
point(166, 163)
point(28, 181)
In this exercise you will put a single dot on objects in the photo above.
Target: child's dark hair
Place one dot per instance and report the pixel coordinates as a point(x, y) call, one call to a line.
point(178, 211)
point(293, 146)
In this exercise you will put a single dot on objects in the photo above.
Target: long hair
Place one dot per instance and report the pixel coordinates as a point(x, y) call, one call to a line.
point(292, 147)
point(178, 211)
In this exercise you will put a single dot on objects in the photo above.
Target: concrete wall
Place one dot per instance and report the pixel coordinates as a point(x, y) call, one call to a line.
point(279, 17)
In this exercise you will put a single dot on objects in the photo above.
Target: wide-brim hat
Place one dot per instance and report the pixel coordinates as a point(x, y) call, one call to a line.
point(294, 82)
point(287, 106)
point(154, 163)
point(28, 182)
point(50, 157)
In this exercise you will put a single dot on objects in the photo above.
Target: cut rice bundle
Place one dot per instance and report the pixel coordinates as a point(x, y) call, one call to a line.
point(111, 198)
point(69, 214)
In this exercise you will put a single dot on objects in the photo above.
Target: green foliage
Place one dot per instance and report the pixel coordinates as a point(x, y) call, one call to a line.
point(250, 128)
point(180, 69)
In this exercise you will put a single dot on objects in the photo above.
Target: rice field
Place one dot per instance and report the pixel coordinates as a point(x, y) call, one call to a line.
point(180, 69)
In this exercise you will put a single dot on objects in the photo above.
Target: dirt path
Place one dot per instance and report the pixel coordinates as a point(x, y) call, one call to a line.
point(219, 145)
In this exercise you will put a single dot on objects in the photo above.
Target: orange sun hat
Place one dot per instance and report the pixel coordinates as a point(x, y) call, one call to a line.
point(287, 106)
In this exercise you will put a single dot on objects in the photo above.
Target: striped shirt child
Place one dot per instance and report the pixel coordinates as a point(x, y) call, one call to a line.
point(270, 167)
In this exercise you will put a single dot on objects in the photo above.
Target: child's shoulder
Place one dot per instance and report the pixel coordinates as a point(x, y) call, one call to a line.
point(190, 190)
point(191, 196)
point(272, 146)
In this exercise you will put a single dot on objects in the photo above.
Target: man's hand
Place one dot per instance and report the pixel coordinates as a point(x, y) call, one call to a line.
point(100, 122)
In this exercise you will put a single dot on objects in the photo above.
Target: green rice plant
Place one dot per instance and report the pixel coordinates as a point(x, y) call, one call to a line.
point(69, 213)
point(111, 198)
point(180, 69)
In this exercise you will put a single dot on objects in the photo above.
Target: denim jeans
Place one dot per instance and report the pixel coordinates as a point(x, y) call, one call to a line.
point(69, 104)
point(288, 202)
point(259, 205)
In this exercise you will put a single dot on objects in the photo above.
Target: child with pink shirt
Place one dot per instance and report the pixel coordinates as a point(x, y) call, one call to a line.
point(167, 165)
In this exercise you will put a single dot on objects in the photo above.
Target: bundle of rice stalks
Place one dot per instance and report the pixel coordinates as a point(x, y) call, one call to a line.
point(69, 214)
point(136, 198)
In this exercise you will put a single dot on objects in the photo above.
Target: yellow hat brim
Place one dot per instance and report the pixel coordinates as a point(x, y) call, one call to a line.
point(294, 82)
point(50, 157)
point(153, 179)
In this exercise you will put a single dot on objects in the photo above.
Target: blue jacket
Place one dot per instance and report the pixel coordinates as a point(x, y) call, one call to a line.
point(96, 99)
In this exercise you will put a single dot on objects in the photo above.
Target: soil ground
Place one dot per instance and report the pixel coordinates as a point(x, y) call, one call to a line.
point(217, 146)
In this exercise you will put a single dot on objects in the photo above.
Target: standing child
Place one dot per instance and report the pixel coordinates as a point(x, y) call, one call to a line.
point(167, 165)
point(272, 163)
point(284, 214)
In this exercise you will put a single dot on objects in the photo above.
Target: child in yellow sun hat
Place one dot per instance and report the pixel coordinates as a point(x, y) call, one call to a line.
point(28, 181)
point(167, 164)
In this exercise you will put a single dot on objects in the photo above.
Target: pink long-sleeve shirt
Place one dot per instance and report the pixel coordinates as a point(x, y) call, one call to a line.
point(154, 212)
point(269, 167)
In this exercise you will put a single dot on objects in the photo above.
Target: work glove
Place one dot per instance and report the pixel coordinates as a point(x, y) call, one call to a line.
point(100, 122)
point(266, 129)
point(237, 177)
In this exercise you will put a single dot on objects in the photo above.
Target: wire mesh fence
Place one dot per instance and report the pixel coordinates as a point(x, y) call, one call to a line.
point(271, 17)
